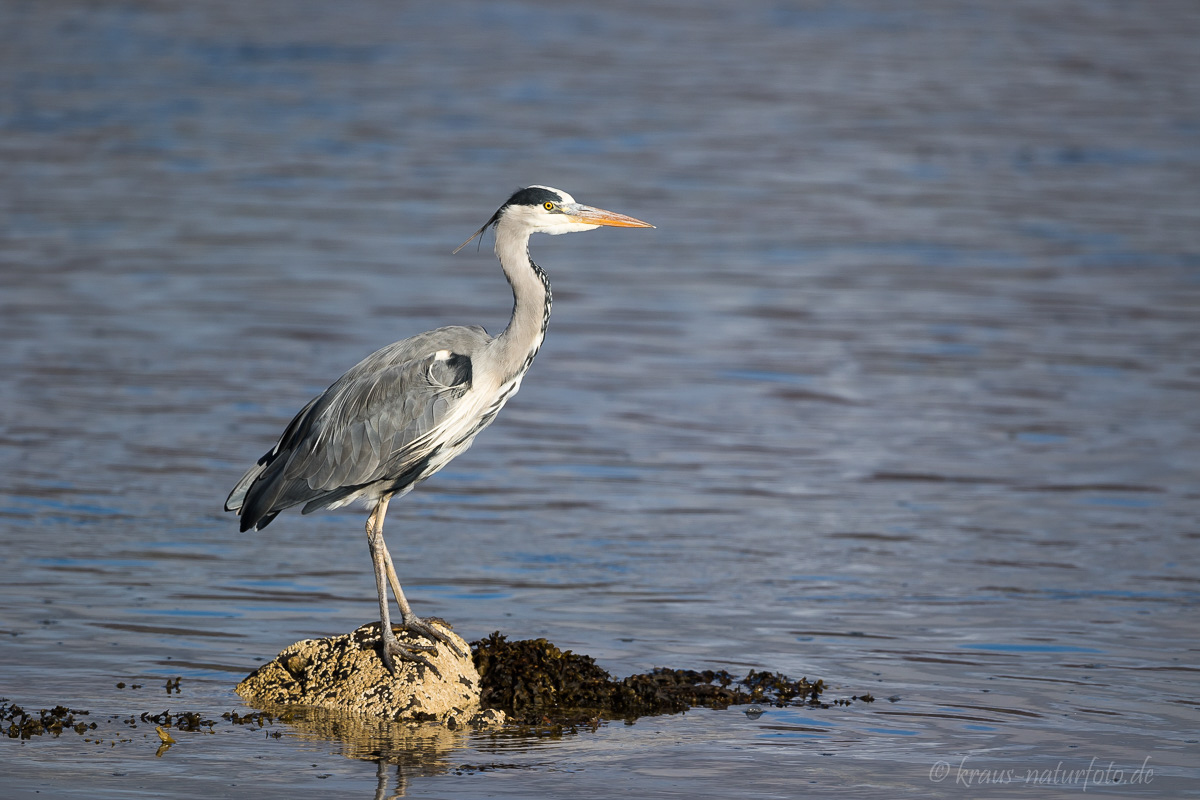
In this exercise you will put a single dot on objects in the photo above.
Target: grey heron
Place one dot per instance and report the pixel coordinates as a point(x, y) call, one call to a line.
point(403, 412)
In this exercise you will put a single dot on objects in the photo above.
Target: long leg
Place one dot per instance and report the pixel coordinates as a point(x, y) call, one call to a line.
point(409, 620)
point(385, 572)
point(390, 645)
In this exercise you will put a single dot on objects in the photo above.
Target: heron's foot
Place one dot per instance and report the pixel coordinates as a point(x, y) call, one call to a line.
point(391, 647)
point(414, 624)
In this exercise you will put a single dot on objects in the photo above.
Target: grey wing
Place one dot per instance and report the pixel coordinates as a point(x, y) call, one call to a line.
point(377, 425)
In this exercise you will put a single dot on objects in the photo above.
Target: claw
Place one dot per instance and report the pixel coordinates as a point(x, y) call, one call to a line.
point(389, 649)
point(390, 646)
point(415, 624)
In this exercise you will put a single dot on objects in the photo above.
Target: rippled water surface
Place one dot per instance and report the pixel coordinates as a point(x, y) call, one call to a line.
point(903, 392)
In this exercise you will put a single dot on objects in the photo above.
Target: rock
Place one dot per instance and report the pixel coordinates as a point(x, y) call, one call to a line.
point(346, 673)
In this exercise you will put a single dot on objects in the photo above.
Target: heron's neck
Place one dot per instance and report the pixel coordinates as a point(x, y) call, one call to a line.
point(519, 342)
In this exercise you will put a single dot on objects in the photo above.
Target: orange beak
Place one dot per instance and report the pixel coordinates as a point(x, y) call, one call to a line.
point(598, 216)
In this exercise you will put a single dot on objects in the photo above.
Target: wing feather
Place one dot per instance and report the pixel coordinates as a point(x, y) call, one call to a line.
point(377, 423)
point(399, 408)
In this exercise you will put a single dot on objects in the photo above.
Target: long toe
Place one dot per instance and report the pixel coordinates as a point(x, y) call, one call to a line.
point(408, 654)
point(415, 624)
point(390, 648)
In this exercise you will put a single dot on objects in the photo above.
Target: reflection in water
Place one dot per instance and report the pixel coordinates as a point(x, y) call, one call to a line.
point(402, 752)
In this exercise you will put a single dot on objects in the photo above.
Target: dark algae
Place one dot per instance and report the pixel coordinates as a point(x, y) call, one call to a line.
point(22, 724)
point(537, 684)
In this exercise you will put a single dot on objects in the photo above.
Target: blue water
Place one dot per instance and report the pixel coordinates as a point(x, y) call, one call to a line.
point(901, 393)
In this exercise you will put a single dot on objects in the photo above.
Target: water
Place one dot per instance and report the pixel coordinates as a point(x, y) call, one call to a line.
point(901, 393)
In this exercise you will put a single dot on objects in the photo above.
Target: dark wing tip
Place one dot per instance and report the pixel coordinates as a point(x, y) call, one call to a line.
point(249, 523)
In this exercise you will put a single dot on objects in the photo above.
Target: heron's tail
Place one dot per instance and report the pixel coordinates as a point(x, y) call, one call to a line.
point(256, 493)
point(238, 496)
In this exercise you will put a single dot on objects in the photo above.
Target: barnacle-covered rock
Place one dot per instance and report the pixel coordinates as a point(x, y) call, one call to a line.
point(346, 673)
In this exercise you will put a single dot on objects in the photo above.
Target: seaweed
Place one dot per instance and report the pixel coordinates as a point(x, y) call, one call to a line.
point(536, 684)
point(24, 725)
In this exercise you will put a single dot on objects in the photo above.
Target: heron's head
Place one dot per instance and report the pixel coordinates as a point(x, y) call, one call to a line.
point(542, 209)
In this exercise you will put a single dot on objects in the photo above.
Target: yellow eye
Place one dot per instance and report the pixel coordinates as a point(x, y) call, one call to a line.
point(548, 205)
